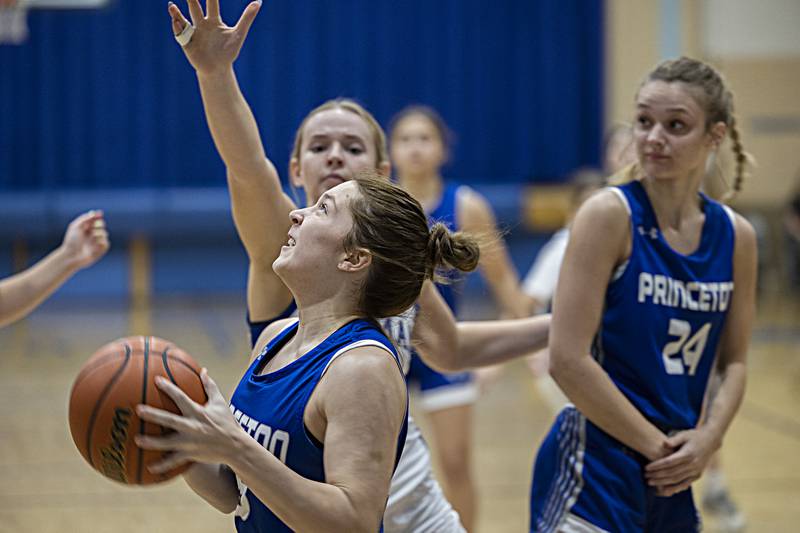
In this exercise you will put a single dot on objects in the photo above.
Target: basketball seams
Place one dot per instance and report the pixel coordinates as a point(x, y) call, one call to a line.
point(99, 362)
point(103, 395)
point(145, 365)
point(97, 388)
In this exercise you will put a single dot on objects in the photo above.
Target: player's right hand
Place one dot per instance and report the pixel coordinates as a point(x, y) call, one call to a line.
point(214, 46)
point(86, 239)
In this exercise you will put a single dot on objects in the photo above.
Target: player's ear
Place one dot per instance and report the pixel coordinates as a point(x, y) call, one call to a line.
point(294, 173)
point(355, 260)
point(385, 168)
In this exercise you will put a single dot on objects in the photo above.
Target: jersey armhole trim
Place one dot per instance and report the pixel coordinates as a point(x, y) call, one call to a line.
point(620, 270)
point(359, 344)
point(731, 215)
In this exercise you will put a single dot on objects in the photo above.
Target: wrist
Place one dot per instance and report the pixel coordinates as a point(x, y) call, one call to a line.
point(222, 73)
point(68, 260)
point(237, 453)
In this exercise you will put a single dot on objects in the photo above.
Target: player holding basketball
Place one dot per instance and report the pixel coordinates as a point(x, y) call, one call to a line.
point(323, 405)
point(419, 147)
point(658, 284)
point(334, 141)
point(85, 242)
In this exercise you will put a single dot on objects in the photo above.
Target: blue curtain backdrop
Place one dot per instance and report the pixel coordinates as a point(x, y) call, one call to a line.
point(105, 99)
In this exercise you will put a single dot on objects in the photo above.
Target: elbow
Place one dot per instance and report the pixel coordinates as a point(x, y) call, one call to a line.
point(226, 507)
point(441, 358)
point(560, 367)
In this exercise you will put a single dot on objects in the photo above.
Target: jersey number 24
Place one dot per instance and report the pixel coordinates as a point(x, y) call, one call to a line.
point(683, 354)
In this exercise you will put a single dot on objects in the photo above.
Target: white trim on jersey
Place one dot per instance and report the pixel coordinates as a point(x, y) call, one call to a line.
point(622, 197)
point(568, 483)
point(731, 215)
point(447, 396)
point(620, 270)
point(576, 524)
point(359, 344)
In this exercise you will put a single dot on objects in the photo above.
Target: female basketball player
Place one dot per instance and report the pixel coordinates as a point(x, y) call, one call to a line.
point(419, 147)
point(658, 281)
point(323, 405)
point(334, 141)
point(85, 242)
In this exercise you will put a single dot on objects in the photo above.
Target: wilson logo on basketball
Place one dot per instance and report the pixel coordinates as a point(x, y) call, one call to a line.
point(114, 454)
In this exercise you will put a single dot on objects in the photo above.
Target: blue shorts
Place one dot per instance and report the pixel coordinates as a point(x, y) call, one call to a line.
point(585, 480)
point(441, 391)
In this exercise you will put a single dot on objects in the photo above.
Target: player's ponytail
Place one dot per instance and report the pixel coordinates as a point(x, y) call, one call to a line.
point(393, 227)
point(450, 251)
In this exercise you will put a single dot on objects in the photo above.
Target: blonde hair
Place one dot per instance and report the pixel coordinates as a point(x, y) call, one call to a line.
point(716, 100)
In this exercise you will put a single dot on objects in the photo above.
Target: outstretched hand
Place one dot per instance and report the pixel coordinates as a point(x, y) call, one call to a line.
point(202, 433)
point(676, 472)
point(86, 239)
point(214, 46)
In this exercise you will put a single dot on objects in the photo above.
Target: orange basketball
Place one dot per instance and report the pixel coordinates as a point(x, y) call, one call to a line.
point(109, 386)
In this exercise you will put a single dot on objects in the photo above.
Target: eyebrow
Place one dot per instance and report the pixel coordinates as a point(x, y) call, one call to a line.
point(347, 136)
point(679, 109)
point(327, 197)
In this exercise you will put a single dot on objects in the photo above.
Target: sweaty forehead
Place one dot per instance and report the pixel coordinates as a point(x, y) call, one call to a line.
point(337, 122)
point(668, 96)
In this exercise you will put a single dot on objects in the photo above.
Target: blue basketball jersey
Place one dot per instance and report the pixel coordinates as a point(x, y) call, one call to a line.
point(445, 212)
point(270, 408)
point(664, 313)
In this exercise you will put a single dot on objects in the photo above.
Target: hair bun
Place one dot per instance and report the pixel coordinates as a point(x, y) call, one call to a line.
point(449, 251)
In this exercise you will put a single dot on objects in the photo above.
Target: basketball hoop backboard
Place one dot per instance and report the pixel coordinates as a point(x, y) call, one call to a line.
point(66, 4)
point(13, 15)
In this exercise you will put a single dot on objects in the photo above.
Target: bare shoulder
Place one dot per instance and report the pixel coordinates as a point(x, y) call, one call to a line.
point(368, 363)
point(366, 374)
point(269, 333)
point(745, 233)
point(473, 206)
point(605, 211)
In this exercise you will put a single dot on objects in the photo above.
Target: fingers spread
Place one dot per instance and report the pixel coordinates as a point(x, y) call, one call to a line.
point(163, 418)
point(212, 390)
point(212, 9)
point(179, 22)
point(247, 18)
point(171, 461)
point(184, 403)
point(195, 11)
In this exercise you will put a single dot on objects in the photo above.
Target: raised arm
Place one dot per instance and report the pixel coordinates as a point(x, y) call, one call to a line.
point(259, 205)
point(599, 240)
point(476, 217)
point(85, 241)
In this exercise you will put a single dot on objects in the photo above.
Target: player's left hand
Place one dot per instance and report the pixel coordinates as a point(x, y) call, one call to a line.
point(204, 434)
point(677, 471)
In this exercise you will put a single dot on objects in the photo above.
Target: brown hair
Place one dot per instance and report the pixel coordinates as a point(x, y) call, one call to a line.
point(446, 136)
point(378, 136)
point(712, 95)
point(392, 225)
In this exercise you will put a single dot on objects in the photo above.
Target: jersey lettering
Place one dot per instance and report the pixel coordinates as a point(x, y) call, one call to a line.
point(659, 289)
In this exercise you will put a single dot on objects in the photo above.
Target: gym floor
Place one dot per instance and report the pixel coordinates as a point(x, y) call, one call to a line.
point(45, 486)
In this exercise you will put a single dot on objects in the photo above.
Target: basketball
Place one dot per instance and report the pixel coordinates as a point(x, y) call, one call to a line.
point(109, 386)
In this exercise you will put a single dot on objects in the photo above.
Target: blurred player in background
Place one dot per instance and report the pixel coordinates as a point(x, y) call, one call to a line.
point(419, 145)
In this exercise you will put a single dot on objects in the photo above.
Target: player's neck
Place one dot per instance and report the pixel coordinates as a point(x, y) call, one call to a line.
point(318, 320)
point(674, 201)
point(426, 189)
